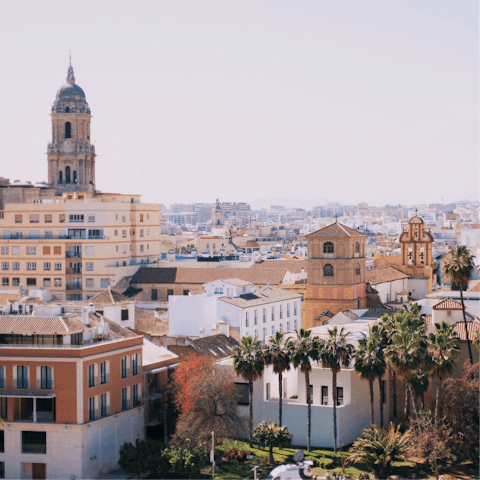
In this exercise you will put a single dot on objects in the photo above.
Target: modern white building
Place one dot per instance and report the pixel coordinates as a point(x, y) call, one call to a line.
point(235, 307)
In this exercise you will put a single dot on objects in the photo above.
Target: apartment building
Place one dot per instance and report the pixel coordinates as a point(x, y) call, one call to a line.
point(73, 387)
point(74, 244)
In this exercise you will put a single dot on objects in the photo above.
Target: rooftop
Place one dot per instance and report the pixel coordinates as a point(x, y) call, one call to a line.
point(268, 295)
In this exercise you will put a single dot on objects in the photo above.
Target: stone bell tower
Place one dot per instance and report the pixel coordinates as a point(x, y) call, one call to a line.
point(71, 155)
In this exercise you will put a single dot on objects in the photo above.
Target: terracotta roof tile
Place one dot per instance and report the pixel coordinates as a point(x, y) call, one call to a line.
point(350, 314)
point(447, 304)
point(377, 312)
point(218, 346)
point(326, 313)
point(384, 274)
point(472, 327)
point(335, 230)
point(293, 266)
point(32, 324)
point(109, 297)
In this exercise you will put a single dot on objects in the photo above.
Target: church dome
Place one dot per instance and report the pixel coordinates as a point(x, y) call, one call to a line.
point(71, 92)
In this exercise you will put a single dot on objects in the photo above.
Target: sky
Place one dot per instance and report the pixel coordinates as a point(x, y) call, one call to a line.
point(346, 100)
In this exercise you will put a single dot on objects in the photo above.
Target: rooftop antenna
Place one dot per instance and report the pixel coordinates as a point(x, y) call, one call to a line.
point(70, 53)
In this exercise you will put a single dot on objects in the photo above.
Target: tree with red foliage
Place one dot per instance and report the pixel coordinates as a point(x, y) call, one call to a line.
point(204, 394)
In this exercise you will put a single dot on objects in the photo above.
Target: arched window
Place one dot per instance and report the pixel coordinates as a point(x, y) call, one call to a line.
point(328, 247)
point(68, 130)
point(328, 270)
point(67, 174)
point(67, 109)
point(60, 177)
point(357, 270)
point(357, 247)
point(74, 176)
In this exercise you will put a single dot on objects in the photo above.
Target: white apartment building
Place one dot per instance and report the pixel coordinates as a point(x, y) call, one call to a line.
point(235, 307)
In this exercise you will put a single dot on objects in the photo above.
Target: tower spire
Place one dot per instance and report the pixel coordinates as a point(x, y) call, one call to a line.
point(70, 74)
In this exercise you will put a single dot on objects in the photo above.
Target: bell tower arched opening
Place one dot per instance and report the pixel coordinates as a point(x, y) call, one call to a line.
point(67, 174)
point(68, 130)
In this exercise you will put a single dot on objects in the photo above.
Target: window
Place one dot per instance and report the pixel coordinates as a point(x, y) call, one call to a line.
point(89, 282)
point(15, 282)
point(58, 266)
point(281, 328)
point(288, 310)
point(267, 391)
point(136, 397)
point(324, 395)
point(123, 218)
point(57, 282)
point(357, 269)
point(339, 395)
point(125, 402)
point(141, 233)
point(141, 217)
point(328, 247)
point(255, 320)
point(76, 338)
point(57, 250)
point(15, 266)
point(357, 247)
point(92, 379)
point(95, 234)
point(22, 376)
point(246, 319)
point(89, 266)
point(264, 333)
point(45, 382)
point(116, 233)
point(88, 250)
point(328, 270)
point(46, 266)
point(68, 130)
point(141, 248)
point(288, 326)
point(124, 249)
point(34, 234)
point(34, 442)
point(34, 218)
point(92, 413)
point(124, 367)
point(273, 329)
point(5, 282)
point(2, 445)
point(48, 218)
point(294, 308)
point(264, 315)
point(31, 250)
point(61, 218)
point(125, 314)
point(31, 282)
point(4, 250)
point(105, 282)
point(91, 219)
point(15, 250)
point(31, 266)
point(124, 234)
point(273, 314)
point(281, 311)
point(154, 294)
point(104, 377)
point(241, 392)
point(18, 219)
point(4, 265)
point(47, 282)
point(77, 218)
point(46, 250)
point(104, 408)
point(295, 325)
point(449, 313)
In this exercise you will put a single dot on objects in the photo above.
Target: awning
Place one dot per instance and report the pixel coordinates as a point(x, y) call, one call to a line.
point(162, 369)
point(26, 395)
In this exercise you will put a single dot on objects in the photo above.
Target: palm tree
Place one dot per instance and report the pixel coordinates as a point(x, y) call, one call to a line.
point(336, 351)
point(277, 356)
point(304, 350)
point(248, 363)
point(370, 365)
point(443, 352)
point(459, 267)
point(407, 350)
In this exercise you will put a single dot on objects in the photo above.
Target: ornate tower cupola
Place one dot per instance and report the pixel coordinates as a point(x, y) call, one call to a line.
point(416, 245)
point(71, 155)
point(218, 222)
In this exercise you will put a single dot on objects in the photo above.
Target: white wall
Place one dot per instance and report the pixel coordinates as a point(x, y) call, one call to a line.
point(187, 314)
point(418, 288)
point(388, 290)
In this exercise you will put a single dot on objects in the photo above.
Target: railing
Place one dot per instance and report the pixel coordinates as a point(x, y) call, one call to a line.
point(104, 379)
point(92, 382)
point(137, 402)
point(21, 384)
point(104, 411)
point(44, 384)
point(70, 254)
point(125, 404)
point(73, 271)
point(17, 236)
point(88, 343)
point(125, 373)
point(136, 370)
point(74, 286)
point(92, 415)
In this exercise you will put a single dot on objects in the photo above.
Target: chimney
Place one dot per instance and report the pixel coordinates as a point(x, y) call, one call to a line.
point(21, 290)
point(268, 285)
point(85, 313)
point(260, 290)
point(91, 308)
point(202, 332)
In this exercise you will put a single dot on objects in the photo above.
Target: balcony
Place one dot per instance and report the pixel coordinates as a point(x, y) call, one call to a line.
point(125, 404)
point(104, 411)
point(136, 402)
point(92, 382)
point(104, 379)
point(21, 384)
point(125, 373)
point(92, 415)
point(44, 384)
point(74, 286)
point(136, 370)
point(74, 270)
point(73, 254)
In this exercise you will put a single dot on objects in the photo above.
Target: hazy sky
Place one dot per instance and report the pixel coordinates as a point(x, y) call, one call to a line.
point(358, 100)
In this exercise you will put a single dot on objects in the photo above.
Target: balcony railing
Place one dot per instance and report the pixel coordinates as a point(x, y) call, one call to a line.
point(125, 404)
point(125, 373)
point(104, 379)
point(92, 415)
point(21, 384)
point(136, 370)
point(74, 270)
point(104, 411)
point(44, 384)
point(136, 402)
point(74, 286)
point(72, 254)
point(92, 382)
point(87, 343)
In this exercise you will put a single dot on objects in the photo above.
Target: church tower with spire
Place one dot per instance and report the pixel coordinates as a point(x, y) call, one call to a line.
point(71, 155)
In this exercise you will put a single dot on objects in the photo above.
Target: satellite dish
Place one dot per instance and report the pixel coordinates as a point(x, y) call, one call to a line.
point(298, 456)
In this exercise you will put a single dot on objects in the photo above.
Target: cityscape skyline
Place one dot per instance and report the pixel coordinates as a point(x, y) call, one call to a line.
point(226, 101)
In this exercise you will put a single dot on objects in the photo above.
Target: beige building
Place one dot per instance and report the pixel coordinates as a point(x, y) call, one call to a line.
point(76, 245)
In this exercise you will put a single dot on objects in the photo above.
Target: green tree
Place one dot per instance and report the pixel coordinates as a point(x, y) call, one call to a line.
point(459, 266)
point(336, 351)
point(370, 365)
point(277, 356)
point(248, 363)
point(271, 435)
point(443, 353)
point(379, 447)
point(302, 351)
point(134, 459)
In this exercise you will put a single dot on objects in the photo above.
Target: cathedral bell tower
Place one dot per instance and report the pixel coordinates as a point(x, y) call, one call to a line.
point(71, 155)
